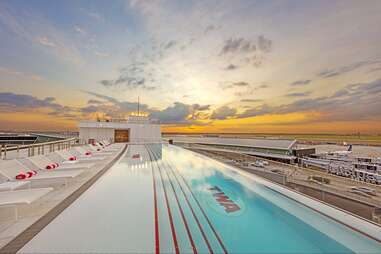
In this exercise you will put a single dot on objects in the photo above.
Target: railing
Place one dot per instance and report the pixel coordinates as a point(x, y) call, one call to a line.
point(11, 152)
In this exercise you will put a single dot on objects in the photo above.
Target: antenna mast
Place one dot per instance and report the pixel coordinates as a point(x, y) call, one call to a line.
point(138, 107)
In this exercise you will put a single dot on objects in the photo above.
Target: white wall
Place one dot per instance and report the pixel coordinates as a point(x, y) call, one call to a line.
point(139, 133)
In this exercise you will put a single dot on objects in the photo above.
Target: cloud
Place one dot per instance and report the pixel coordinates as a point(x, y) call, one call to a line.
point(329, 73)
point(211, 28)
point(80, 30)
point(200, 107)
point(228, 85)
point(26, 101)
point(178, 113)
point(242, 45)
point(240, 84)
point(302, 82)
point(223, 112)
point(264, 44)
point(298, 94)
point(237, 45)
point(251, 100)
point(96, 16)
point(32, 27)
point(256, 111)
point(231, 67)
point(120, 105)
point(131, 78)
point(93, 101)
point(11, 102)
point(20, 73)
point(101, 54)
point(169, 44)
point(352, 103)
point(46, 42)
point(375, 69)
point(263, 86)
point(247, 51)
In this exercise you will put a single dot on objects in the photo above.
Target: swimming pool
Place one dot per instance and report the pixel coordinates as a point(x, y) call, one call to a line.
point(171, 200)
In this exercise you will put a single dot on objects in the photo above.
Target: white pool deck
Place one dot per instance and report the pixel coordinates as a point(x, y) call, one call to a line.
point(31, 213)
point(116, 214)
point(113, 216)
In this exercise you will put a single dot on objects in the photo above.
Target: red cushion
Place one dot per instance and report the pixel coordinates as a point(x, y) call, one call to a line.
point(72, 158)
point(88, 153)
point(21, 176)
point(50, 166)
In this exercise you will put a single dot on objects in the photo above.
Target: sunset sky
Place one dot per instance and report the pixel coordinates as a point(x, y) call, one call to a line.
point(197, 66)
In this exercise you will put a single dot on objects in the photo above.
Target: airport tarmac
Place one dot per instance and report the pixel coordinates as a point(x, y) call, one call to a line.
point(357, 150)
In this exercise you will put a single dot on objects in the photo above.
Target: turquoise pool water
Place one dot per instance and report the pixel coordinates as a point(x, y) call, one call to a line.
point(170, 200)
point(235, 218)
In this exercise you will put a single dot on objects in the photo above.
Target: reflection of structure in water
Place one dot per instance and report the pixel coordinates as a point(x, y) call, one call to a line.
point(141, 160)
point(157, 150)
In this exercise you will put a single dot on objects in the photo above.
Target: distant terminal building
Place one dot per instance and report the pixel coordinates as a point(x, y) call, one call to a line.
point(13, 139)
point(17, 139)
point(275, 149)
point(137, 128)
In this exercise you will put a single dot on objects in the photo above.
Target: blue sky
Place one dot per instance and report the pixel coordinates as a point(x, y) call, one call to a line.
point(196, 65)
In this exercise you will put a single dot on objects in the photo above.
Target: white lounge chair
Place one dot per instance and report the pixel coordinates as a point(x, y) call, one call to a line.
point(111, 147)
point(65, 163)
point(41, 161)
point(93, 150)
point(10, 168)
point(10, 186)
point(99, 149)
point(19, 197)
point(80, 158)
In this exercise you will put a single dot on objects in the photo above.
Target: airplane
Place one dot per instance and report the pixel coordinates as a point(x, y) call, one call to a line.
point(342, 153)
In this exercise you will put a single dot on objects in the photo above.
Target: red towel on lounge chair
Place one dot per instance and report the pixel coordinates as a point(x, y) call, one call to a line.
point(31, 173)
point(21, 176)
point(88, 153)
point(72, 158)
point(52, 166)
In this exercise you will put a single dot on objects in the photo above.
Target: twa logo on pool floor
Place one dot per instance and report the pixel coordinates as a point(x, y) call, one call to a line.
point(224, 201)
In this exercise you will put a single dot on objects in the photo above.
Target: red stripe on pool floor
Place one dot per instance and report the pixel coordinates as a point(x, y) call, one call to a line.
point(182, 215)
point(157, 241)
point(193, 213)
point(203, 212)
point(169, 214)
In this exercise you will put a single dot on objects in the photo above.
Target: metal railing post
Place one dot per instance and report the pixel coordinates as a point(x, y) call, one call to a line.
point(5, 152)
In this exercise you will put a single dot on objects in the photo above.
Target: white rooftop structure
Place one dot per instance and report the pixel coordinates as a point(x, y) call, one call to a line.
point(137, 128)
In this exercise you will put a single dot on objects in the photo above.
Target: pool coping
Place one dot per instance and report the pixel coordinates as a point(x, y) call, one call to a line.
point(25, 236)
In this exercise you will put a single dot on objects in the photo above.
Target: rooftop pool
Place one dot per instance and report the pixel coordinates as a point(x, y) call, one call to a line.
point(165, 199)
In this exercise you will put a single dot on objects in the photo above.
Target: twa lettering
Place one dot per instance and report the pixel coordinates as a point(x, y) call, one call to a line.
point(223, 200)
